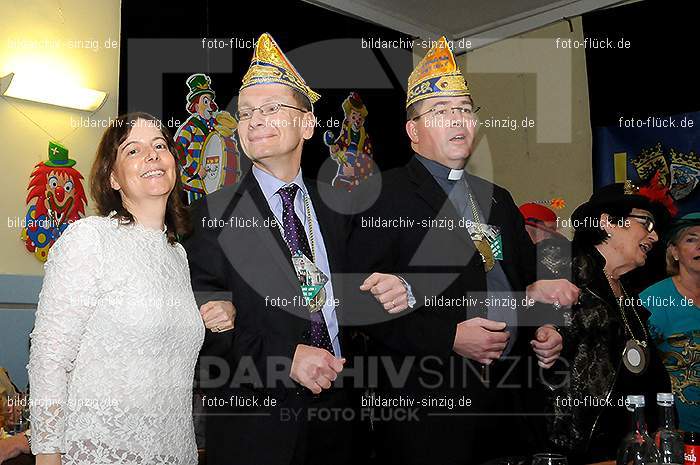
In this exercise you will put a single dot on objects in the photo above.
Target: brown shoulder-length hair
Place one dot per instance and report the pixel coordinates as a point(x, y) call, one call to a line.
point(108, 199)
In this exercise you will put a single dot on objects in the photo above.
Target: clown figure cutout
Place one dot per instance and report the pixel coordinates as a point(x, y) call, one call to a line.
point(56, 198)
point(352, 149)
point(206, 142)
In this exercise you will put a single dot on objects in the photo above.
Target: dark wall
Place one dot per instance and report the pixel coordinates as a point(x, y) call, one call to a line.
point(655, 76)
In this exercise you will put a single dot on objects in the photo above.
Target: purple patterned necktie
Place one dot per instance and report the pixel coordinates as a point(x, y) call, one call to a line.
point(295, 236)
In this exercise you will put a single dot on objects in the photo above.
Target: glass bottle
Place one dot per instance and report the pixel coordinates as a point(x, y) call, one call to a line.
point(668, 440)
point(637, 447)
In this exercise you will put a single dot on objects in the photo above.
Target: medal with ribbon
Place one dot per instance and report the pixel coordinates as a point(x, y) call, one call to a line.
point(312, 281)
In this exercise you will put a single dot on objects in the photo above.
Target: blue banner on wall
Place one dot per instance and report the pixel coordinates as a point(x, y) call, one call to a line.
point(637, 148)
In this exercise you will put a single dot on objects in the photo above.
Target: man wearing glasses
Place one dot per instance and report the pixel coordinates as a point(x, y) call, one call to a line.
point(463, 340)
point(274, 248)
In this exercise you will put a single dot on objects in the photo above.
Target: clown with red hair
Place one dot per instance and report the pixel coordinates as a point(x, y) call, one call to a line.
point(56, 198)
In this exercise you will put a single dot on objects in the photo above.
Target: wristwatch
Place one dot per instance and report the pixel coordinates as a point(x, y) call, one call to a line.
point(410, 298)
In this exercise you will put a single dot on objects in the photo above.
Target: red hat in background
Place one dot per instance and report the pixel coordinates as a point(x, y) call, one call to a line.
point(536, 215)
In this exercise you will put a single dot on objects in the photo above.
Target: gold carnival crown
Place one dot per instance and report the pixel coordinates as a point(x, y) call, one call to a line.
point(437, 74)
point(270, 66)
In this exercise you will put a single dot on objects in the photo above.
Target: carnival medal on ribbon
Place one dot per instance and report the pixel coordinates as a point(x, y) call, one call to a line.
point(312, 281)
point(487, 241)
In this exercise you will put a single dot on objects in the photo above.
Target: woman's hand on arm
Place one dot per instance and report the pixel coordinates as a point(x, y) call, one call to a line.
point(218, 315)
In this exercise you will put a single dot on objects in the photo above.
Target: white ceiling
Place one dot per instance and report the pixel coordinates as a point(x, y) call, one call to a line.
point(480, 21)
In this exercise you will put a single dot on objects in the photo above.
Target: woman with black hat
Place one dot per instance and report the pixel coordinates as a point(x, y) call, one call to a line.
point(675, 319)
point(607, 343)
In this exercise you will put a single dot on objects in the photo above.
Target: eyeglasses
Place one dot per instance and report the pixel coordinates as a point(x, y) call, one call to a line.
point(265, 110)
point(440, 111)
point(646, 221)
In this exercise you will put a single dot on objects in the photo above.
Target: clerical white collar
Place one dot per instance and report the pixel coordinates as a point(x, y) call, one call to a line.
point(440, 171)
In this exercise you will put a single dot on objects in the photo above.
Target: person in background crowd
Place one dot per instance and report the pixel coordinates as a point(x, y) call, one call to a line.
point(12, 446)
point(540, 221)
point(553, 262)
point(608, 341)
point(675, 317)
point(553, 249)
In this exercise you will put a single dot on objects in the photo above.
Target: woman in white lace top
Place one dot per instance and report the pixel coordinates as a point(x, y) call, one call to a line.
point(117, 329)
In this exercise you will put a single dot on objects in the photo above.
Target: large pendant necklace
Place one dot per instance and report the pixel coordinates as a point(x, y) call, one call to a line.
point(635, 355)
point(486, 253)
point(481, 244)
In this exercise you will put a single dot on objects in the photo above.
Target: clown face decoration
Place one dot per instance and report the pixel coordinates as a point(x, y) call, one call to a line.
point(56, 198)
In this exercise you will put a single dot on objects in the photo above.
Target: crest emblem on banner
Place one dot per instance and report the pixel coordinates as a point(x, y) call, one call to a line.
point(681, 175)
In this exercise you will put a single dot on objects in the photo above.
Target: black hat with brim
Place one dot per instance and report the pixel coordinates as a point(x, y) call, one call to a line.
point(622, 195)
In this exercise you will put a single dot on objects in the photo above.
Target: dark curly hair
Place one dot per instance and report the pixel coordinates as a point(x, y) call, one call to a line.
point(591, 233)
point(108, 199)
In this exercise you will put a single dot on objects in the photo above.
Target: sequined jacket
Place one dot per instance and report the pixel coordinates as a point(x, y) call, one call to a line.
point(590, 419)
point(554, 258)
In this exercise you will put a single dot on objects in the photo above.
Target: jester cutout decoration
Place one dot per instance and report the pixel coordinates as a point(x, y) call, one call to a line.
point(682, 176)
point(352, 149)
point(206, 142)
point(56, 198)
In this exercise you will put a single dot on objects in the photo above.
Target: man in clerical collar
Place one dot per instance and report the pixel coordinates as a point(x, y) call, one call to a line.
point(472, 276)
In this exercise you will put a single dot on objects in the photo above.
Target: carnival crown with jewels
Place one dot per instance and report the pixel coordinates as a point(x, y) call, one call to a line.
point(270, 66)
point(437, 74)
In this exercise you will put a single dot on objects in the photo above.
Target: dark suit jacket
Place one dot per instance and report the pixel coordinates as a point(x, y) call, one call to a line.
point(250, 265)
point(438, 259)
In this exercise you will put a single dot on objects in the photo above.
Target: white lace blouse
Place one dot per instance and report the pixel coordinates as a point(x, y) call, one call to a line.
point(114, 348)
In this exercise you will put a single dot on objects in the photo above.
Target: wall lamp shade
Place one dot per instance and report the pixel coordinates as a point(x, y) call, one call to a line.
point(39, 90)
